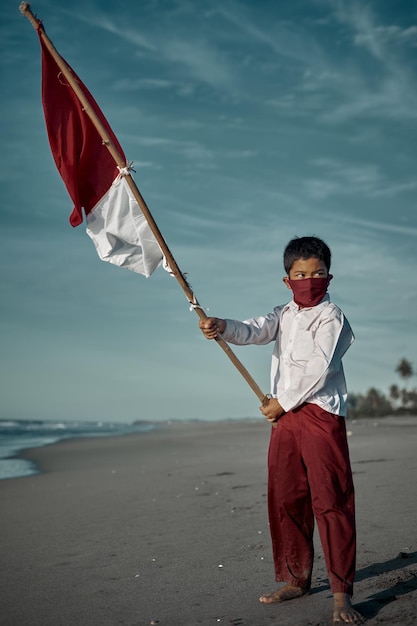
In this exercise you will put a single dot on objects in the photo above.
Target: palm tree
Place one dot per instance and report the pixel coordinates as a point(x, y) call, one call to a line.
point(394, 394)
point(404, 369)
point(405, 396)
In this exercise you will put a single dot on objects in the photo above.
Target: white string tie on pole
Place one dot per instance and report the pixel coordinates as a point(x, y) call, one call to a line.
point(194, 305)
point(125, 171)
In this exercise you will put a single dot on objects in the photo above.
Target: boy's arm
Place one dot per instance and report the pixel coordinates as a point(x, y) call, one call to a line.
point(255, 331)
point(258, 330)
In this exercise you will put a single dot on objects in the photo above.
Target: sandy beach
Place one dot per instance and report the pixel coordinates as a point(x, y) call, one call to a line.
point(170, 528)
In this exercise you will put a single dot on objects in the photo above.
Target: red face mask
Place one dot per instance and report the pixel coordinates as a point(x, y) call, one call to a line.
point(309, 291)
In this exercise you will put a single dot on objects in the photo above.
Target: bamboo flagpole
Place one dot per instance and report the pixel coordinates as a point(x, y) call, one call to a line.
point(124, 167)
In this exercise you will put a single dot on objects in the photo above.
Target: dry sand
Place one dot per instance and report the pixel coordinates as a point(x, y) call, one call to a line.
point(171, 528)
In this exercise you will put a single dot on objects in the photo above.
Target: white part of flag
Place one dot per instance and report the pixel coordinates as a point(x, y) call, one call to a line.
point(121, 233)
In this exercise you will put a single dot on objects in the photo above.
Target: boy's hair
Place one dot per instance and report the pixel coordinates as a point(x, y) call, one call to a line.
point(306, 248)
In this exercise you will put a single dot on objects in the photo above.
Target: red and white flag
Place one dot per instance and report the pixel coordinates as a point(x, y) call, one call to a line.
point(115, 222)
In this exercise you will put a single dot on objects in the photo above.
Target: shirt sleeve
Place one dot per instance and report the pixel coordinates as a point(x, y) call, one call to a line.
point(258, 330)
point(312, 367)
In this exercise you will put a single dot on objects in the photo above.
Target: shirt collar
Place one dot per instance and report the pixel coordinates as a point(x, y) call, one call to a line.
point(292, 305)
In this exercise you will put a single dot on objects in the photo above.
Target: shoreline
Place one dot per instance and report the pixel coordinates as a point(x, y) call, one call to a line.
point(20, 436)
point(16, 450)
point(170, 526)
point(28, 453)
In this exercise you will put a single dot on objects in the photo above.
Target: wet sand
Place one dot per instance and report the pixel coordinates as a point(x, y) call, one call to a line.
point(171, 528)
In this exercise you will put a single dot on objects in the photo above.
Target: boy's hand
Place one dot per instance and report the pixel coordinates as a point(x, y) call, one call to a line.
point(272, 411)
point(212, 327)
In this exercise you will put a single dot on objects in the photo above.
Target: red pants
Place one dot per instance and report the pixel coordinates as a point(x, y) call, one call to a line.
point(309, 476)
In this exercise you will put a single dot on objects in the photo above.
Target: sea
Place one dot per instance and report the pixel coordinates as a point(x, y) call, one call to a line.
point(19, 435)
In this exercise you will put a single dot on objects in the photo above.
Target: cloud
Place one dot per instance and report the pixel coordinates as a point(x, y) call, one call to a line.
point(306, 78)
point(276, 35)
point(342, 178)
point(389, 90)
point(96, 19)
point(367, 76)
point(204, 62)
point(386, 35)
point(139, 84)
point(190, 150)
point(392, 100)
point(408, 231)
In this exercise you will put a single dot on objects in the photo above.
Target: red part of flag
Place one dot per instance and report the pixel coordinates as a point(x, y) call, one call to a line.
point(83, 161)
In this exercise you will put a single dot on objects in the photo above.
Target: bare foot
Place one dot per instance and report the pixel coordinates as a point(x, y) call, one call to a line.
point(285, 593)
point(344, 612)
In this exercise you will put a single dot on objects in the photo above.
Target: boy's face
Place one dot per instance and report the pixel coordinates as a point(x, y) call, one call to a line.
point(306, 268)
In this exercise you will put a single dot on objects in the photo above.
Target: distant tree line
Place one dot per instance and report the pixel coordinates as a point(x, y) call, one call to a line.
point(401, 400)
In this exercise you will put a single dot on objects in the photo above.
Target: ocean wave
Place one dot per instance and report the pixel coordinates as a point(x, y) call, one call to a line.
point(19, 435)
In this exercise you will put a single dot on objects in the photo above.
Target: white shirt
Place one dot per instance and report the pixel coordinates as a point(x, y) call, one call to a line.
point(307, 358)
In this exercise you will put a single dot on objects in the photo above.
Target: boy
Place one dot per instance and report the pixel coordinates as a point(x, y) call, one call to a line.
point(309, 474)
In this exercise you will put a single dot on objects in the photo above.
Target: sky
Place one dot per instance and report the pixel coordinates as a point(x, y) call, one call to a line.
point(248, 122)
